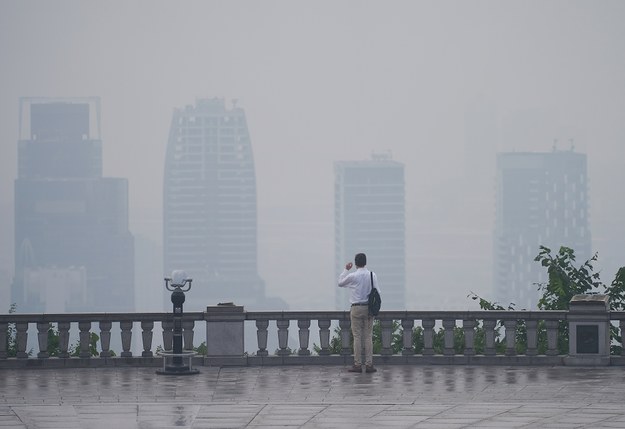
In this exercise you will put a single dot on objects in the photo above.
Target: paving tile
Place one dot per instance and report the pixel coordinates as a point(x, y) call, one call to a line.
point(315, 397)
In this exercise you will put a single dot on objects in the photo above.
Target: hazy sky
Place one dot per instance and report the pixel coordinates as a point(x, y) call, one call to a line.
point(335, 80)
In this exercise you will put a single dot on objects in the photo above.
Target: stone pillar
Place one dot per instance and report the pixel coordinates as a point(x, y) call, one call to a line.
point(42, 336)
point(283, 337)
point(21, 339)
point(386, 331)
point(168, 334)
point(489, 337)
point(448, 326)
point(126, 334)
point(64, 339)
point(85, 339)
point(261, 336)
point(510, 328)
point(589, 330)
point(187, 334)
point(468, 327)
point(532, 337)
point(324, 336)
point(428, 336)
point(304, 336)
point(105, 338)
point(146, 335)
point(225, 335)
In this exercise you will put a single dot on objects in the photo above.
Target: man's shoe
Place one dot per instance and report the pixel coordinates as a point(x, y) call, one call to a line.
point(370, 369)
point(355, 368)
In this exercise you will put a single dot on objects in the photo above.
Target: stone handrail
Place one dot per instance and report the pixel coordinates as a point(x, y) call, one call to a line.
point(295, 333)
point(62, 322)
point(488, 321)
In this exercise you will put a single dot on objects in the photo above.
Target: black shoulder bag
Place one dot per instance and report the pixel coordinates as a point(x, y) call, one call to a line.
point(375, 301)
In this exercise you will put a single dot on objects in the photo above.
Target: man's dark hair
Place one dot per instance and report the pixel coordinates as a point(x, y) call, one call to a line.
point(360, 260)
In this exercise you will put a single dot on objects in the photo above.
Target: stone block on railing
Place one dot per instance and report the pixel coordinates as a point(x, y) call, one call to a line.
point(589, 330)
point(225, 333)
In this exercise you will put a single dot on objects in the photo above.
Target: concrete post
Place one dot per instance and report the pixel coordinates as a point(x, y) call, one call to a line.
point(224, 335)
point(589, 330)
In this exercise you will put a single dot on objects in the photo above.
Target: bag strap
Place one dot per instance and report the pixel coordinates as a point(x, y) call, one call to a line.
point(372, 287)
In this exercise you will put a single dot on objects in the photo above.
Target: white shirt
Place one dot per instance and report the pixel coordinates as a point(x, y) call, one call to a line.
point(359, 282)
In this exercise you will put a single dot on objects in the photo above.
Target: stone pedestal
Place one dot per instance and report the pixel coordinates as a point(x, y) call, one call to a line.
point(225, 335)
point(589, 330)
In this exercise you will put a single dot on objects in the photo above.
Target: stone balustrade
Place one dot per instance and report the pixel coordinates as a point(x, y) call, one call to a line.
point(303, 337)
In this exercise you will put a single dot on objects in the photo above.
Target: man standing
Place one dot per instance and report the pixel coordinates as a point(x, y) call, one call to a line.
point(360, 283)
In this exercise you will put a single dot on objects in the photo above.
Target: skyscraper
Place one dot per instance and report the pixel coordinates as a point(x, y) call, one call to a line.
point(209, 203)
point(73, 249)
point(542, 199)
point(369, 210)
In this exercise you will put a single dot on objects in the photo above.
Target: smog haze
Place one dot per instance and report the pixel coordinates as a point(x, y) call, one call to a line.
point(440, 86)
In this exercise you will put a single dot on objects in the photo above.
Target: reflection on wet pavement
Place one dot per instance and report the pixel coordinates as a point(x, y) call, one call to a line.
point(314, 397)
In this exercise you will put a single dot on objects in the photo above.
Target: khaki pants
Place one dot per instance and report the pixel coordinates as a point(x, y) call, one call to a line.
point(362, 330)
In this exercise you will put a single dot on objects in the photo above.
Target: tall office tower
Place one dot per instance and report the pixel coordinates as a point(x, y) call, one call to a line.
point(73, 249)
point(210, 205)
point(369, 217)
point(542, 199)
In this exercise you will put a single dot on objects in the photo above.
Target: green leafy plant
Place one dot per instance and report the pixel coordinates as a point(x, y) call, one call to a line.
point(565, 280)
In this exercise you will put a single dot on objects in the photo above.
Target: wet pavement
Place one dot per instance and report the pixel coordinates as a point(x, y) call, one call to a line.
point(315, 397)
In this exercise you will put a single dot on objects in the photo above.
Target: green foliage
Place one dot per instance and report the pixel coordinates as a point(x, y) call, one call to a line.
point(11, 344)
point(74, 350)
point(201, 349)
point(565, 280)
point(396, 337)
point(54, 348)
point(11, 341)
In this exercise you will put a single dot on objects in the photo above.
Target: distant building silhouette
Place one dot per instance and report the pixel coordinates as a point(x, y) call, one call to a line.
point(209, 206)
point(369, 209)
point(542, 199)
point(73, 249)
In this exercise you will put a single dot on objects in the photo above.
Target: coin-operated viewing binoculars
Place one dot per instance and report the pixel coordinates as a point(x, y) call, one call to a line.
point(173, 360)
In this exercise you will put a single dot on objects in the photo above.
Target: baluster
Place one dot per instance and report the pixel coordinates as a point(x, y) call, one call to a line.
point(407, 325)
point(283, 337)
point(510, 326)
point(187, 334)
point(146, 335)
point(468, 326)
point(489, 337)
point(22, 339)
point(304, 336)
point(126, 327)
point(324, 337)
point(42, 336)
point(386, 326)
point(261, 336)
point(85, 339)
point(4, 353)
point(428, 336)
point(552, 337)
point(64, 339)
point(449, 325)
point(168, 334)
point(345, 325)
point(105, 338)
point(532, 337)
point(622, 333)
